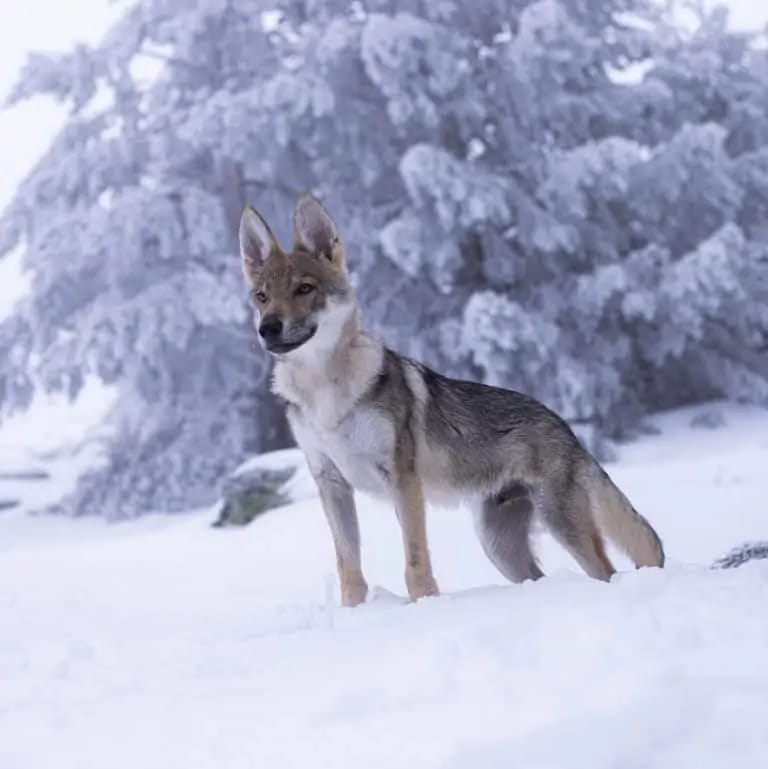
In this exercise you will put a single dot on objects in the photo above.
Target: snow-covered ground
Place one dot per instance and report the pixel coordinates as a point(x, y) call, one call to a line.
point(166, 643)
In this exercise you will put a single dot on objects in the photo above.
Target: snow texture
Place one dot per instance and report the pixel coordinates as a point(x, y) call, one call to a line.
point(164, 642)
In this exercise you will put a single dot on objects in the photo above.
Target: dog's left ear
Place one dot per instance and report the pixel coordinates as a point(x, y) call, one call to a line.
point(314, 231)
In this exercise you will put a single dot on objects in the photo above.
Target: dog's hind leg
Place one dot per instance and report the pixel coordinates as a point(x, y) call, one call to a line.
point(502, 522)
point(565, 509)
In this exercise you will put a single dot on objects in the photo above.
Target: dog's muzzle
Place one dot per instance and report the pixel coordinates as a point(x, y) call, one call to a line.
point(276, 341)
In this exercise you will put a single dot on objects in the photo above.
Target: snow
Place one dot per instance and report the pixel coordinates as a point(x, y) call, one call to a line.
point(166, 643)
point(62, 437)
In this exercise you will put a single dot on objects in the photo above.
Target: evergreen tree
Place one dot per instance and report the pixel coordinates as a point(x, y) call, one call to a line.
point(517, 207)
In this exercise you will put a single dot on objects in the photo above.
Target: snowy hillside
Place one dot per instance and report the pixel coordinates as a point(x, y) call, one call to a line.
point(166, 643)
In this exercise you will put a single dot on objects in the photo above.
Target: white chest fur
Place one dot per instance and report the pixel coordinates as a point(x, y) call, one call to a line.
point(360, 445)
point(327, 415)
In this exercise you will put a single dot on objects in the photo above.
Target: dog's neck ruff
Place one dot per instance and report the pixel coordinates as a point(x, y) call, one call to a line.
point(327, 376)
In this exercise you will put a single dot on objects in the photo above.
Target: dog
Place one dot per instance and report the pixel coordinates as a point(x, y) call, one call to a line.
point(369, 419)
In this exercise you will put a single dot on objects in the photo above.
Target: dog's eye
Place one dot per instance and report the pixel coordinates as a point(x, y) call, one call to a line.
point(305, 288)
point(260, 296)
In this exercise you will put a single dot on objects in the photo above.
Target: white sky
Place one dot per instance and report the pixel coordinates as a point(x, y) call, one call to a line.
point(27, 25)
point(25, 130)
point(37, 25)
point(747, 14)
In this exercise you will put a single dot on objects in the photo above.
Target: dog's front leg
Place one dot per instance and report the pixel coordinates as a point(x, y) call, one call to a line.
point(409, 505)
point(339, 505)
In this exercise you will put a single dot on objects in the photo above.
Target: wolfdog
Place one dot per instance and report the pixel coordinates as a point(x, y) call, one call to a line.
point(367, 418)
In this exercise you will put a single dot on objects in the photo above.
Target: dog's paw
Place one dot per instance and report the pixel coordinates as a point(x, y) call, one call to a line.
point(420, 585)
point(353, 593)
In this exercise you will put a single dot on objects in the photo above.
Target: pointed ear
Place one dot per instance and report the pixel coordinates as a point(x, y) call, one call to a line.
point(256, 243)
point(314, 231)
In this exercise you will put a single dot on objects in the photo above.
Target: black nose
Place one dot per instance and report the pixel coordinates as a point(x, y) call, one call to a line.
point(271, 327)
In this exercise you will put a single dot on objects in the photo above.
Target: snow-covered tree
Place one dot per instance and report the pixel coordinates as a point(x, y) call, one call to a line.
point(128, 233)
point(562, 196)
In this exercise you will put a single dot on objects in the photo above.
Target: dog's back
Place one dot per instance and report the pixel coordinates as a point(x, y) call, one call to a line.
point(499, 449)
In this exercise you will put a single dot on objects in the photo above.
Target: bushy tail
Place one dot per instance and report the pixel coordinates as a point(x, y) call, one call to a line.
point(621, 523)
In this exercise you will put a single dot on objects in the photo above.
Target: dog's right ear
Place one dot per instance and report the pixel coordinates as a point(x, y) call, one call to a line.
point(256, 243)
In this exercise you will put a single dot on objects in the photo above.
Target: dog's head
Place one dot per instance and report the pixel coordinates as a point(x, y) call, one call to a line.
point(301, 294)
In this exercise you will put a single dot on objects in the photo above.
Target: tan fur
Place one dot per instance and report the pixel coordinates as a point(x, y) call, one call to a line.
point(617, 519)
point(599, 547)
point(353, 585)
point(354, 588)
point(409, 505)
